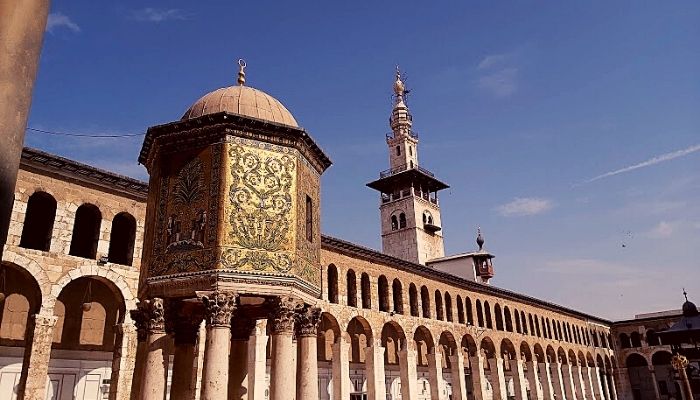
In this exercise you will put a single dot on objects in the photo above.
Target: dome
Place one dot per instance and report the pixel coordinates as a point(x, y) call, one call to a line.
point(245, 101)
point(689, 309)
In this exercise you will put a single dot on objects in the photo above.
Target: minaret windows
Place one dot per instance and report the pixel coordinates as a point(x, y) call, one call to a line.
point(398, 150)
point(394, 223)
point(402, 221)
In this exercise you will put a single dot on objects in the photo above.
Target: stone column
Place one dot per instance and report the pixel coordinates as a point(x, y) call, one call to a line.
point(199, 360)
point(579, 384)
point(459, 384)
point(435, 374)
point(182, 386)
point(123, 362)
point(340, 368)
point(282, 372)
point(499, 386)
point(545, 379)
point(153, 384)
point(568, 380)
point(516, 367)
point(218, 309)
point(557, 381)
point(409, 376)
point(374, 368)
point(655, 383)
point(604, 383)
point(593, 383)
point(612, 387)
point(257, 362)
point(533, 379)
point(478, 377)
point(37, 353)
point(238, 378)
point(22, 25)
point(140, 320)
point(307, 362)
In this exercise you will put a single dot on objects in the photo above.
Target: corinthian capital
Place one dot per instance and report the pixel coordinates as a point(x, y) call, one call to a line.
point(154, 314)
point(307, 320)
point(283, 315)
point(140, 319)
point(218, 308)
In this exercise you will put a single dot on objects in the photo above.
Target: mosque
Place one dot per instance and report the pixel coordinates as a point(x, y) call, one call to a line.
point(214, 281)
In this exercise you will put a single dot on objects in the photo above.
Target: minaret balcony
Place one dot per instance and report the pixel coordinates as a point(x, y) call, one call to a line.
point(431, 228)
point(402, 168)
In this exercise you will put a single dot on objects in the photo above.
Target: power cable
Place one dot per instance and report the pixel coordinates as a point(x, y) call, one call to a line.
point(83, 135)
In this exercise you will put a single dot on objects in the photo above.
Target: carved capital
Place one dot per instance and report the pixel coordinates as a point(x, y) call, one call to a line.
point(283, 315)
point(307, 321)
point(154, 314)
point(139, 318)
point(218, 308)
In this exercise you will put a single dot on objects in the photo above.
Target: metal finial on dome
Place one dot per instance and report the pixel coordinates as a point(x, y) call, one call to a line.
point(479, 239)
point(685, 294)
point(399, 86)
point(241, 71)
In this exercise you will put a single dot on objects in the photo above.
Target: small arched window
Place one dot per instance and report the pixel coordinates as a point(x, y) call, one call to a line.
point(332, 284)
point(636, 339)
point(121, 239)
point(402, 220)
point(394, 223)
point(625, 341)
point(468, 306)
point(351, 288)
point(479, 314)
point(397, 293)
point(38, 222)
point(439, 312)
point(499, 317)
point(460, 310)
point(448, 307)
point(487, 315)
point(86, 231)
point(398, 150)
point(508, 319)
point(413, 300)
point(425, 301)
point(383, 292)
point(366, 290)
point(524, 322)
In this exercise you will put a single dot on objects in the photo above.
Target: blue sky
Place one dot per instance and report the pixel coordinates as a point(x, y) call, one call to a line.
point(519, 107)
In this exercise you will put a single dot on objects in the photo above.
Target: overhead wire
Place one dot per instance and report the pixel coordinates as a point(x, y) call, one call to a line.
point(84, 134)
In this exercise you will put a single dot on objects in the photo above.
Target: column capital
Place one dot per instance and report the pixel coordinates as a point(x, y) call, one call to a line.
point(283, 314)
point(139, 317)
point(307, 321)
point(154, 314)
point(218, 308)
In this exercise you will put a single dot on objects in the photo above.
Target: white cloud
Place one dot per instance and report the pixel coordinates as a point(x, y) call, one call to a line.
point(58, 20)
point(158, 15)
point(493, 60)
point(501, 83)
point(522, 206)
point(662, 230)
point(652, 161)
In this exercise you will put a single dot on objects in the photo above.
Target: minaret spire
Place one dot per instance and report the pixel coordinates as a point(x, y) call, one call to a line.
point(400, 120)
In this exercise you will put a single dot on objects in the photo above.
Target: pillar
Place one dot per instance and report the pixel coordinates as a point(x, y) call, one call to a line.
point(218, 309)
point(499, 386)
point(516, 368)
point(593, 383)
point(307, 361)
point(238, 380)
point(604, 384)
point(568, 381)
point(409, 376)
point(37, 353)
point(579, 383)
point(340, 369)
point(652, 373)
point(183, 386)
point(153, 384)
point(123, 362)
point(374, 369)
point(533, 379)
point(282, 371)
point(22, 25)
point(478, 377)
point(612, 387)
point(198, 373)
point(459, 384)
point(139, 318)
point(257, 362)
point(435, 374)
point(557, 381)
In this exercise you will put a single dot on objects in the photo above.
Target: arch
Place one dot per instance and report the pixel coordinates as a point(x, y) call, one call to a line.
point(424, 343)
point(539, 353)
point(402, 221)
point(328, 333)
point(537, 327)
point(351, 288)
point(448, 307)
point(561, 356)
point(548, 326)
point(413, 300)
point(393, 339)
point(448, 347)
point(397, 294)
point(425, 301)
point(460, 310)
point(572, 357)
point(122, 239)
point(661, 357)
point(468, 345)
point(524, 322)
point(394, 223)
point(589, 359)
point(487, 347)
point(516, 316)
point(383, 293)
point(652, 338)
point(439, 312)
point(532, 324)
point(38, 222)
point(499, 316)
point(31, 269)
point(508, 319)
point(508, 350)
point(479, 313)
point(551, 354)
point(525, 353)
point(487, 315)
point(635, 360)
point(636, 339)
point(366, 291)
point(360, 333)
point(86, 231)
point(470, 314)
point(332, 276)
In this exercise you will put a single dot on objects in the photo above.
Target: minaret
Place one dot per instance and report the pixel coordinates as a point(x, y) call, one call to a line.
point(409, 208)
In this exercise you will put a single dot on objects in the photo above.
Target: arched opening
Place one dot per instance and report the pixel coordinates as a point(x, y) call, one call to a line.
point(122, 239)
point(499, 316)
point(532, 325)
point(524, 322)
point(479, 313)
point(537, 327)
point(22, 300)
point(394, 223)
point(351, 288)
point(460, 310)
point(487, 315)
point(366, 289)
point(38, 222)
point(439, 312)
point(508, 355)
point(393, 340)
point(636, 339)
point(639, 377)
point(488, 349)
point(424, 345)
point(383, 293)
point(447, 346)
point(413, 300)
point(516, 316)
point(332, 284)
point(328, 335)
point(86, 231)
point(652, 338)
point(470, 314)
point(425, 301)
point(661, 360)
point(469, 349)
point(448, 307)
point(397, 294)
point(539, 353)
point(361, 346)
point(402, 221)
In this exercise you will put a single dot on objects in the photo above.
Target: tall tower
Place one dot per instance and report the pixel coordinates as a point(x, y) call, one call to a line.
point(409, 208)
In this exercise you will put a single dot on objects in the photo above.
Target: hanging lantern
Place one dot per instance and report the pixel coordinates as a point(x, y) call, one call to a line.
point(87, 298)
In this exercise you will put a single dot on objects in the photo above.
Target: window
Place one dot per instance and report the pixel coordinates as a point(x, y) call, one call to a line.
point(383, 292)
point(394, 223)
point(365, 291)
point(425, 301)
point(121, 239)
point(402, 220)
point(439, 313)
point(38, 222)
point(397, 293)
point(410, 150)
point(398, 150)
point(86, 231)
point(332, 284)
point(309, 220)
point(351, 288)
point(413, 300)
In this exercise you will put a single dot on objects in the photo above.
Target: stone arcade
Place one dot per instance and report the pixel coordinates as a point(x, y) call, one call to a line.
point(213, 281)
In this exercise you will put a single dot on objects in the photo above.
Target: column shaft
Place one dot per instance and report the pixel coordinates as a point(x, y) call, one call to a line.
point(35, 366)
point(340, 369)
point(238, 370)
point(516, 368)
point(409, 376)
point(153, 385)
point(557, 381)
point(478, 377)
point(435, 375)
point(219, 307)
point(497, 375)
point(652, 373)
point(283, 367)
point(183, 385)
point(123, 363)
point(534, 381)
point(374, 368)
point(257, 362)
point(545, 379)
point(568, 380)
point(459, 384)
point(307, 369)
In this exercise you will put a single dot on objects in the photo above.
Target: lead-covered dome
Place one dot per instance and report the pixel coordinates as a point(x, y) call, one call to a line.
point(242, 100)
